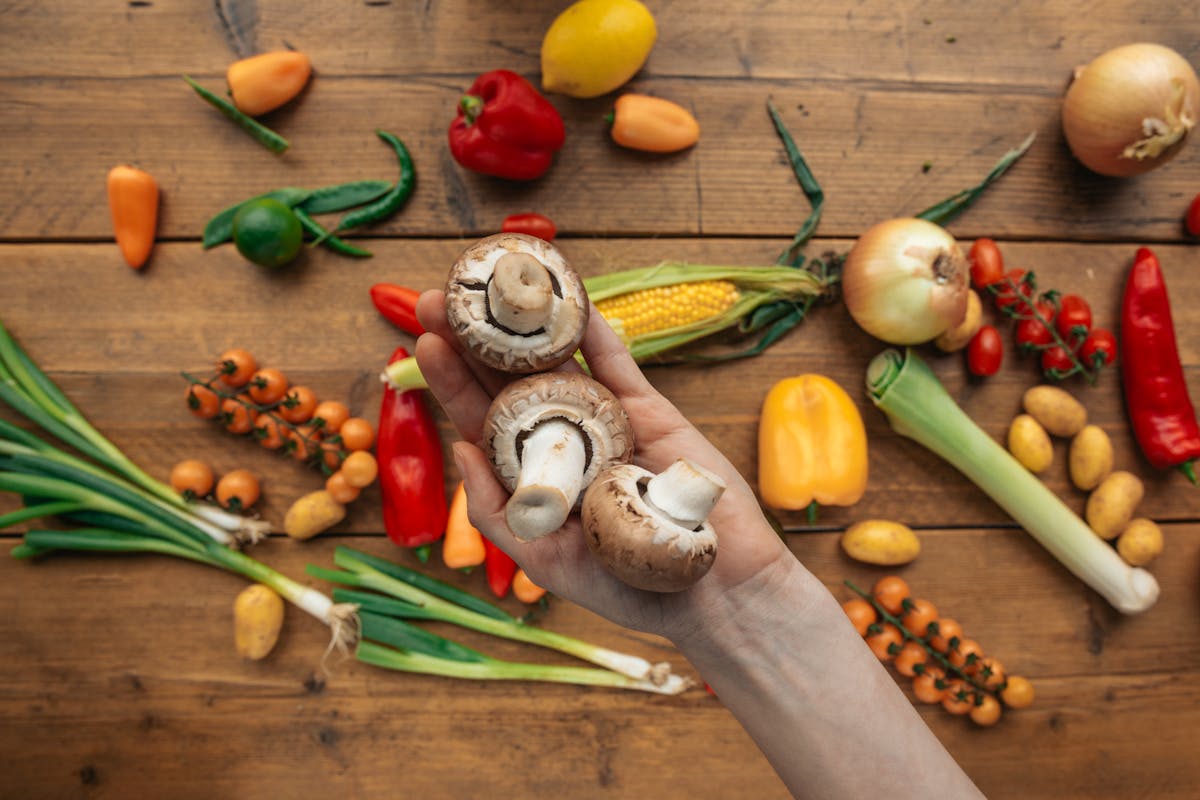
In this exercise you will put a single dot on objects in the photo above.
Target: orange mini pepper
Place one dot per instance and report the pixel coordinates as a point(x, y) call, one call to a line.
point(265, 82)
point(133, 200)
point(812, 446)
point(526, 590)
point(642, 122)
point(463, 545)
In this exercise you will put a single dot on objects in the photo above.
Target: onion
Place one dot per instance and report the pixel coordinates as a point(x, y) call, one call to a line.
point(1130, 110)
point(905, 281)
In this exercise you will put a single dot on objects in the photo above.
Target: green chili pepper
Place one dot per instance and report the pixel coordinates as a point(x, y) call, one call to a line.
point(342, 196)
point(390, 203)
point(220, 228)
point(326, 238)
point(262, 134)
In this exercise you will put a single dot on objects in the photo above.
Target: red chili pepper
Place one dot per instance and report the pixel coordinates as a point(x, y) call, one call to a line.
point(533, 224)
point(411, 472)
point(500, 569)
point(1192, 221)
point(1164, 420)
point(506, 128)
point(399, 305)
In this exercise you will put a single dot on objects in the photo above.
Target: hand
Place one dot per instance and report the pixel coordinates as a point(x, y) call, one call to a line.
point(749, 555)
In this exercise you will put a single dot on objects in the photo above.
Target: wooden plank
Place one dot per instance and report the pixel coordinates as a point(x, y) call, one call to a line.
point(130, 334)
point(735, 183)
point(122, 679)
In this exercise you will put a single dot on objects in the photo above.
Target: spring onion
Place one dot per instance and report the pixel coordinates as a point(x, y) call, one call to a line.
point(919, 408)
point(361, 570)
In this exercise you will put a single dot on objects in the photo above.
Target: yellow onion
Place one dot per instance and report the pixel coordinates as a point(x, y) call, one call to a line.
point(1131, 109)
point(905, 281)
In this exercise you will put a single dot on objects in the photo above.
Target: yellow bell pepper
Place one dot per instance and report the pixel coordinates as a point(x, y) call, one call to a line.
point(812, 446)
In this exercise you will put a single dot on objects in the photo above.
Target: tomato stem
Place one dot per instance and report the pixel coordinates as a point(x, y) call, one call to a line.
point(1025, 308)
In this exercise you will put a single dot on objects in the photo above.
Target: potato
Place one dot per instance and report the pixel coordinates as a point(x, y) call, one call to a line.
point(257, 620)
point(1029, 444)
point(1111, 506)
point(957, 337)
point(1058, 412)
point(1090, 458)
point(1141, 542)
point(879, 541)
point(314, 512)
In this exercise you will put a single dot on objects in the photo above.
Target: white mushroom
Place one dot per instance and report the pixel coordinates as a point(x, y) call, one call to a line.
point(651, 531)
point(548, 436)
point(515, 303)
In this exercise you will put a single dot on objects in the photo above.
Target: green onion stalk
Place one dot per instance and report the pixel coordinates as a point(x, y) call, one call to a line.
point(31, 393)
point(423, 597)
point(919, 408)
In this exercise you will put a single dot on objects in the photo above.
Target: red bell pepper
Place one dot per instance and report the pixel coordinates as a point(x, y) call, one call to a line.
point(506, 128)
point(500, 569)
point(411, 471)
point(534, 224)
point(398, 304)
point(1156, 395)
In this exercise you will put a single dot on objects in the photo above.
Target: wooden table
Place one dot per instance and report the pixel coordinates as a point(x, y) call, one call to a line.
point(120, 675)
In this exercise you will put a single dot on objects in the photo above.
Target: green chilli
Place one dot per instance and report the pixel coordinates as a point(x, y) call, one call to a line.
point(391, 202)
point(261, 133)
point(322, 236)
point(341, 196)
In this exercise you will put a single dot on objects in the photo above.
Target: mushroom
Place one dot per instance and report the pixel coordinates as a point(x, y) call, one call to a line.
point(651, 531)
point(515, 303)
point(548, 436)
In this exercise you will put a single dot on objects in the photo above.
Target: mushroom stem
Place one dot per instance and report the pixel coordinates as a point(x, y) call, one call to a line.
point(685, 492)
point(553, 459)
point(520, 293)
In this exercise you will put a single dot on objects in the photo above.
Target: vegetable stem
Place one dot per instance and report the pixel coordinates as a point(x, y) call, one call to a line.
point(941, 213)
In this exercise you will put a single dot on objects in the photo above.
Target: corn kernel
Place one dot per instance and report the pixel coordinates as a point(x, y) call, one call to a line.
point(661, 308)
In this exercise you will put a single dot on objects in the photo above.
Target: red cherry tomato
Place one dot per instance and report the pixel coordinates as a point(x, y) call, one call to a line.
point(1057, 362)
point(1192, 221)
point(985, 352)
point(987, 265)
point(1099, 348)
point(1074, 316)
point(1032, 333)
point(1013, 288)
point(533, 224)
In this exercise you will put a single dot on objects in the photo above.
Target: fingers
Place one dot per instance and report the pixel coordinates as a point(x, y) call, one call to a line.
point(610, 361)
point(431, 312)
point(455, 386)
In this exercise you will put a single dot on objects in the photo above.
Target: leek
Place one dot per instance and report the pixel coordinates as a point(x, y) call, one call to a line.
point(919, 408)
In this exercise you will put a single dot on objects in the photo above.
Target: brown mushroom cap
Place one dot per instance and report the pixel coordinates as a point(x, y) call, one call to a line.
point(637, 543)
point(543, 285)
point(569, 396)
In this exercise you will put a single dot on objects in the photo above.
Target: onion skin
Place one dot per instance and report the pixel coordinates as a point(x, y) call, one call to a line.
point(905, 281)
point(1131, 109)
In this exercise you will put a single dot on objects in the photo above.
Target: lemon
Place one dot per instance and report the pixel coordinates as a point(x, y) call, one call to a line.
point(594, 46)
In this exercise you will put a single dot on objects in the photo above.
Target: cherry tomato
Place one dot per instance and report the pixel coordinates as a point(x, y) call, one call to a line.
point(333, 455)
point(949, 634)
point(910, 655)
point(268, 431)
point(1015, 287)
point(985, 352)
point(357, 433)
point(298, 405)
point(238, 490)
point(987, 712)
point(991, 673)
point(1099, 348)
point(236, 415)
point(192, 478)
point(1018, 693)
point(236, 366)
point(987, 265)
point(967, 656)
point(303, 442)
point(203, 401)
point(861, 613)
point(1074, 319)
point(885, 641)
point(360, 469)
point(533, 224)
point(918, 614)
point(925, 686)
point(891, 592)
point(1057, 362)
point(959, 698)
point(1192, 221)
point(1032, 335)
point(343, 492)
point(331, 414)
point(268, 386)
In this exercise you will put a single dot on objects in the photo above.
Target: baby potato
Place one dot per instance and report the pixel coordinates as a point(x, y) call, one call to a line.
point(1056, 410)
point(1029, 444)
point(1141, 542)
point(257, 620)
point(957, 337)
point(1090, 457)
point(882, 542)
point(314, 512)
point(1110, 507)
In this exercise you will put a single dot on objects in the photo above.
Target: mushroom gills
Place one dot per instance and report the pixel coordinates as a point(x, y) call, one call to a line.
point(553, 461)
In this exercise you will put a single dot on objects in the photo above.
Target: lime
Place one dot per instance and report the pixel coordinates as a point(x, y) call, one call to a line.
point(595, 46)
point(267, 232)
